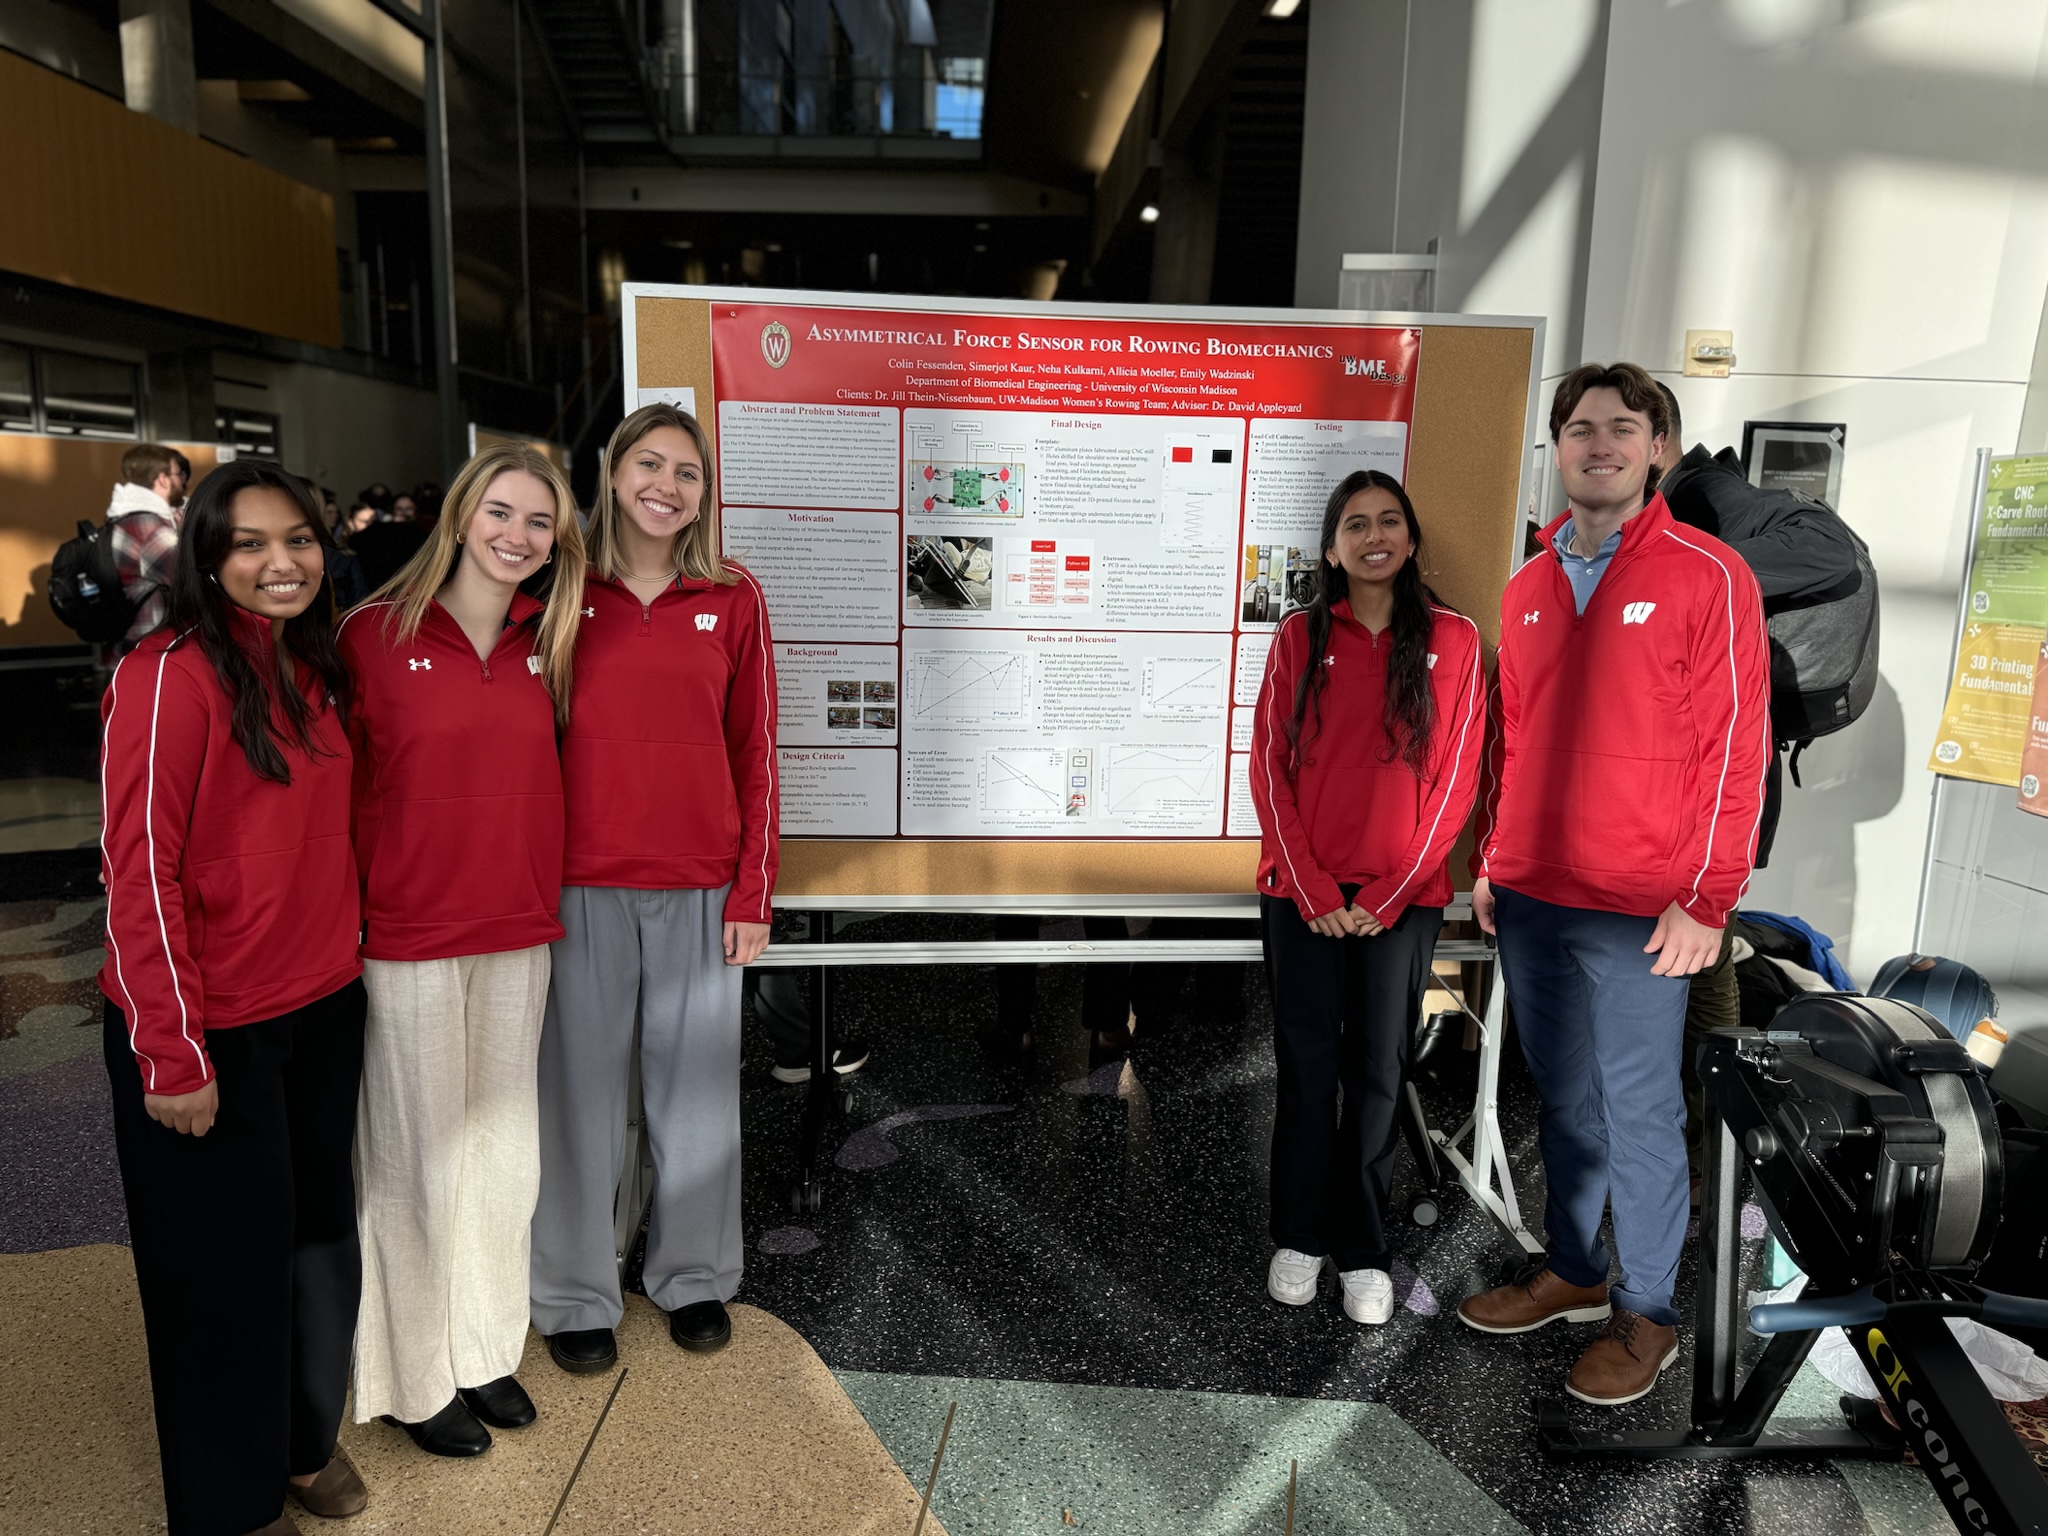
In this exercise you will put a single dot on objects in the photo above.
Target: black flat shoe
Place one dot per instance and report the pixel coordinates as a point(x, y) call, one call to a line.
point(502, 1404)
point(701, 1326)
point(583, 1351)
point(453, 1431)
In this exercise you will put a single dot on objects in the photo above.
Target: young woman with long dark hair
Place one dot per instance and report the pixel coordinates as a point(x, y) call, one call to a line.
point(234, 1017)
point(1365, 753)
point(668, 766)
point(462, 670)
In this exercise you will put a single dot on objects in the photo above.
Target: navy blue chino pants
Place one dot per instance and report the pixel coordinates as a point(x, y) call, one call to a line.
point(1603, 1038)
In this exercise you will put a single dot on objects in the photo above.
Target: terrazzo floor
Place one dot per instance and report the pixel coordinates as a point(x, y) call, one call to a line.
point(1074, 1253)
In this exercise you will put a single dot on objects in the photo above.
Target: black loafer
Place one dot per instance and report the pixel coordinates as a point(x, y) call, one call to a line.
point(502, 1404)
point(582, 1351)
point(701, 1326)
point(453, 1431)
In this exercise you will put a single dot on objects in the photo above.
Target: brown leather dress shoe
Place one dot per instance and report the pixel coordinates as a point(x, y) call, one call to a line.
point(283, 1525)
point(336, 1493)
point(1624, 1363)
point(1518, 1308)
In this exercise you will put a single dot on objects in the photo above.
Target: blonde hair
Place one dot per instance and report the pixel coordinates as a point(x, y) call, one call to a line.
point(696, 552)
point(421, 579)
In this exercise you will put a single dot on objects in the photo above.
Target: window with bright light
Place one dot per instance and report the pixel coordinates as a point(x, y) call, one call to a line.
point(957, 114)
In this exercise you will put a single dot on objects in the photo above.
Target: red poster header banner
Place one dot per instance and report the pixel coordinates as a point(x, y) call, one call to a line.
point(1039, 363)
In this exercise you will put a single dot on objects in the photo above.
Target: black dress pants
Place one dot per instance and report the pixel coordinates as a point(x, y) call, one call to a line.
point(246, 1257)
point(1344, 1012)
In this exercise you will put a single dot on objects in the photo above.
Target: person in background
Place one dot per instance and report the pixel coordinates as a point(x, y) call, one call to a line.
point(668, 767)
point(234, 1015)
point(426, 499)
point(461, 681)
point(143, 519)
point(1634, 723)
point(360, 516)
point(404, 509)
point(388, 542)
point(1365, 764)
point(344, 570)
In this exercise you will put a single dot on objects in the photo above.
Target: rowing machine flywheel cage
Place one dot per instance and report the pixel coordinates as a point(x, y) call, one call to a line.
point(1945, 1213)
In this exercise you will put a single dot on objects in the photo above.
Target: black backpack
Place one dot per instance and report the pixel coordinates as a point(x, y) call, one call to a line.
point(85, 584)
point(1824, 649)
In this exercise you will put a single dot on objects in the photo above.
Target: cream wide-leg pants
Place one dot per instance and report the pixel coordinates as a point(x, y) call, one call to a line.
point(447, 1172)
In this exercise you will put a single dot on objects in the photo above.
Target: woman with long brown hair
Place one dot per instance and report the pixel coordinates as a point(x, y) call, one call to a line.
point(462, 667)
point(1365, 753)
point(669, 769)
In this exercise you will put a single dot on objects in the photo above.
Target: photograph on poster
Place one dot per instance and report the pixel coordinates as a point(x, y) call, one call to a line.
point(843, 690)
point(1802, 456)
point(1279, 579)
point(879, 692)
point(947, 573)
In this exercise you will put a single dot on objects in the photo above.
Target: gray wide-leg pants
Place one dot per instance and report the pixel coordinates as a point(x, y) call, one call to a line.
point(659, 955)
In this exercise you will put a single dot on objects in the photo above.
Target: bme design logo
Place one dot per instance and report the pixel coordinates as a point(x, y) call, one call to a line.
point(707, 621)
point(1374, 368)
point(419, 663)
point(1637, 613)
point(775, 343)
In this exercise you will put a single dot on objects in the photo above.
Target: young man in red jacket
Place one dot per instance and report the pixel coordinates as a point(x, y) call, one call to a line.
point(1616, 838)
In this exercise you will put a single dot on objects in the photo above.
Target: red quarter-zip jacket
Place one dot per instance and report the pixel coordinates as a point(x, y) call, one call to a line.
point(230, 898)
point(458, 787)
point(669, 759)
point(1630, 744)
point(1344, 807)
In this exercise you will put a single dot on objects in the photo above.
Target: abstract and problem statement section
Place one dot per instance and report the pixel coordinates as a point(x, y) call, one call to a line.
point(1022, 568)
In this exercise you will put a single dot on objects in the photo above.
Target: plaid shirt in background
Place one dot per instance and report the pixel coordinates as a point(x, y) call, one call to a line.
point(145, 549)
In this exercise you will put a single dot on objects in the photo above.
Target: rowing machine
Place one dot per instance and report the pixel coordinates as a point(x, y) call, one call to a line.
point(1869, 1137)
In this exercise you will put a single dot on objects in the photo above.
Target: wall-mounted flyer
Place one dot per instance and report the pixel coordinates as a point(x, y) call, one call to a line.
point(1023, 570)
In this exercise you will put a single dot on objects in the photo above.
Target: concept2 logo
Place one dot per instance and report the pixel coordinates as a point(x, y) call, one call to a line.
point(775, 343)
point(1637, 613)
point(707, 621)
point(1926, 1440)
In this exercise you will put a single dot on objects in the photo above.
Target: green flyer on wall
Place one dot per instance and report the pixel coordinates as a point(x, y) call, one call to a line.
point(1984, 723)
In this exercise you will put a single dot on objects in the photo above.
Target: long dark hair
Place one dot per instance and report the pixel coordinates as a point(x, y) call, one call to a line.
point(1410, 711)
point(201, 608)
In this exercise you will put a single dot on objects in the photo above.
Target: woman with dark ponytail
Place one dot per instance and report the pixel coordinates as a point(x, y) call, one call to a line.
point(1365, 753)
point(234, 1016)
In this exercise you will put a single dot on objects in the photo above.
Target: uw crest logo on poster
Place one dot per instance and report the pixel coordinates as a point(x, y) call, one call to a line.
point(775, 343)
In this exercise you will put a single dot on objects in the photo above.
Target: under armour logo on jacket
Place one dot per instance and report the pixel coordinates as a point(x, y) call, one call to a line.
point(420, 663)
point(590, 613)
point(707, 621)
point(533, 664)
point(1532, 617)
point(1637, 613)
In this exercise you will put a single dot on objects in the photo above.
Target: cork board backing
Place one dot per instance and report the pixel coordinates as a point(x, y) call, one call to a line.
point(1465, 458)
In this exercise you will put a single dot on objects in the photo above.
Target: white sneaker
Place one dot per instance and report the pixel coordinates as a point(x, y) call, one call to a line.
point(1291, 1277)
point(1368, 1295)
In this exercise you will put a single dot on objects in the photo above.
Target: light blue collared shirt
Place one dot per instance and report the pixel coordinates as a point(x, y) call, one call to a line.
point(1584, 574)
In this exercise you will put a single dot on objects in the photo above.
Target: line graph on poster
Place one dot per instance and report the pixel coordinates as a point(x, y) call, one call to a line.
point(1172, 782)
point(983, 686)
point(1028, 782)
point(1184, 685)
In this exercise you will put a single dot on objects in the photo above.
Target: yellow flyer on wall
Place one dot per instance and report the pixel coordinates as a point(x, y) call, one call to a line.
point(1990, 700)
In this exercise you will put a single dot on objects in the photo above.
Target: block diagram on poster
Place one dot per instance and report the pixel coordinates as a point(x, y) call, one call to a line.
point(1036, 783)
point(956, 469)
point(972, 687)
point(1184, 685)
point(1161, 783)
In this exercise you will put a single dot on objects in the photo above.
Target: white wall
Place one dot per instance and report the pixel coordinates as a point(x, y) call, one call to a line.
point(1858, 188)
point(1860, 192)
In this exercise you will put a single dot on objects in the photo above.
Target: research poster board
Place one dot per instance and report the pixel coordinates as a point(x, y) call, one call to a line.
point(1985, 722)
point(1023, 562)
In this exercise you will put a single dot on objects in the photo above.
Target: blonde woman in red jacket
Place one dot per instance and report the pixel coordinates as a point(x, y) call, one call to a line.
point(462, 670)
point(1365, 756)
point(234, 1018)
point(668, 765)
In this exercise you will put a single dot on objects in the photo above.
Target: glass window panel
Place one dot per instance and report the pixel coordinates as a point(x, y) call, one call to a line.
point(252, 433)
point(17, 390)
point(88, 396)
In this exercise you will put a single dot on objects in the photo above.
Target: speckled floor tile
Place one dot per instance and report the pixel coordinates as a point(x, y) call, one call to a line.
point(62, 1186)
point(49, 1006)
point(1037, 1457)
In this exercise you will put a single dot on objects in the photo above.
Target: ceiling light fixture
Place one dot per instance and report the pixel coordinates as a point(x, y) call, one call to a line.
point(1282, 9)
point(1149, 214)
